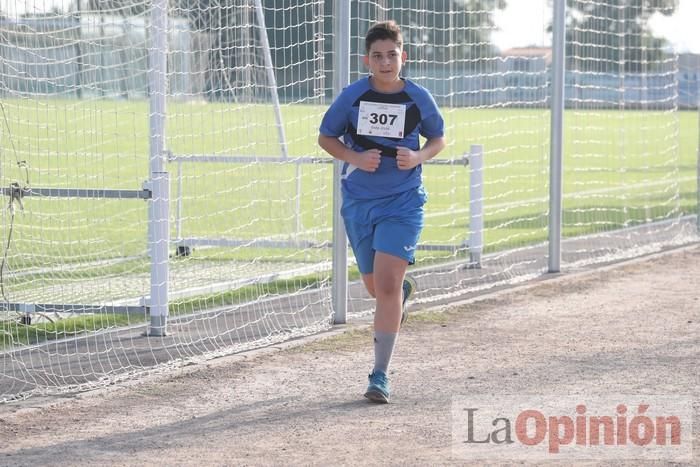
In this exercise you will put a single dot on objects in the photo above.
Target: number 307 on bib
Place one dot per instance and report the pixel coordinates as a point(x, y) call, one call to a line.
point(376, 119)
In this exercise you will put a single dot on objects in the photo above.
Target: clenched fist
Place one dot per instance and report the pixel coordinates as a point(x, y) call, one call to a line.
point(406, 159)
point(368, 160)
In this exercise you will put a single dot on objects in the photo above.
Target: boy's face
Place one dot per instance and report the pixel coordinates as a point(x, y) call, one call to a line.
point(385, 60)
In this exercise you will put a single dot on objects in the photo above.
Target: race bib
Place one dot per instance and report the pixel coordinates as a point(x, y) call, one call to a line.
point(378, 119)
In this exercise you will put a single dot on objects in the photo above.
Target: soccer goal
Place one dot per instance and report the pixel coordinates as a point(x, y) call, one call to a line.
point(101, 101)
point(165, 199)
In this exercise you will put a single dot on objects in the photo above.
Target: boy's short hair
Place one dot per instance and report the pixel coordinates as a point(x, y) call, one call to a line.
point(382, 31)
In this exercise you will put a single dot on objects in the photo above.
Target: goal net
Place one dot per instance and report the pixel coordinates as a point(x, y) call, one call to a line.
point(628, 187)
point(249, 193)
point(491, 95)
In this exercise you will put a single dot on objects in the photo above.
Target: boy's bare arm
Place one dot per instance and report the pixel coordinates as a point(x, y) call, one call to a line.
point(367, 161)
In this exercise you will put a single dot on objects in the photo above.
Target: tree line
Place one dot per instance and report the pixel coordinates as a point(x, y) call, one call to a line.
point(602, 35)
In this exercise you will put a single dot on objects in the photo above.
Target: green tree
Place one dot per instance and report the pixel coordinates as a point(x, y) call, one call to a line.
point(614, 35)
point(452, 29)
point(221, 23)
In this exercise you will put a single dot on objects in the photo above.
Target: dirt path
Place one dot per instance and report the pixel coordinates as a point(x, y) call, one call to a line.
point(629, 329)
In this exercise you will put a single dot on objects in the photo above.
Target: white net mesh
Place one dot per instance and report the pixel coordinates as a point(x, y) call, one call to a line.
point(627, 188)
point(249, 204)
point(627, 185)
point(490, 97)
point(250, 207)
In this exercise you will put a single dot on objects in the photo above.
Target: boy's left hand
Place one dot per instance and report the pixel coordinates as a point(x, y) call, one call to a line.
point(407, 159)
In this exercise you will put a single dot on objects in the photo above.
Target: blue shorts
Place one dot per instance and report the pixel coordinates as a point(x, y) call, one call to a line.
point(391, 225)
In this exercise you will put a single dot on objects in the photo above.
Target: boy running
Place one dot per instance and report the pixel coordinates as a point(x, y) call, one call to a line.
point(380, 118)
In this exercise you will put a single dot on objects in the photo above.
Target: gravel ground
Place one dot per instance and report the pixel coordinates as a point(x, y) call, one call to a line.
point(629, 328)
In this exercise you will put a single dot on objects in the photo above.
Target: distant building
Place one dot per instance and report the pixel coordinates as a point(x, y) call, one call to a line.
point(523, 80)
point(688, 62)
point(523, 77)
point(688, 80)
point(526, 59)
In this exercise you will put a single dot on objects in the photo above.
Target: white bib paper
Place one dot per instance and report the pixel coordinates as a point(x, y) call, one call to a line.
point(378, 119)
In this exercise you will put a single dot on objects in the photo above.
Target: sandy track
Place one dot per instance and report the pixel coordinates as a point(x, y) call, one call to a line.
point(633, 328)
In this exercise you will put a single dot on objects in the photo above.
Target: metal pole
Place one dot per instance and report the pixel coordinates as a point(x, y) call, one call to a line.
point(158, 305)
point(178, 208)
point(697, 181)
point(298, 227)
point(341, 78)
point(272, 80)
point(557, 133)
point(79, 53)
point(159, 237)
point(476, 205)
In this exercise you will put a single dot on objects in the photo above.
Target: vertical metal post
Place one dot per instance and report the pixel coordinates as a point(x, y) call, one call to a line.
point(697, 181)
point(272, 80)
point(103, 79)
point(341, 78)
point(158, 228)
point(160, 222)
point(298, 226)
point(178, 207)
point(78, 51)
point(557, 134)
point(476, 205)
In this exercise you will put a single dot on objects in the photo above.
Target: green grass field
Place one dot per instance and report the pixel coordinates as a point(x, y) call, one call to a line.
point(621, 168)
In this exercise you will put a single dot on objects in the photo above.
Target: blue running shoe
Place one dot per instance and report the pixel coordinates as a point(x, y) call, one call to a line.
point(409, 287)
point(378, 389)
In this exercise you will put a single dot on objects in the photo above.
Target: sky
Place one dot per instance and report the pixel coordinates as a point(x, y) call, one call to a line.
point(522, 23)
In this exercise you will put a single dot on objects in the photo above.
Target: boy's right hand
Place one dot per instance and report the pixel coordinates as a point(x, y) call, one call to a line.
point(368, 160)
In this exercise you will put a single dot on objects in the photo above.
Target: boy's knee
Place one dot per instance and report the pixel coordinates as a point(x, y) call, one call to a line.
point(387, 289)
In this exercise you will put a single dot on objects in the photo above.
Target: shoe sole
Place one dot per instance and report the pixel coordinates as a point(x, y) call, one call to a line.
point(376, 396)
point(414, 286)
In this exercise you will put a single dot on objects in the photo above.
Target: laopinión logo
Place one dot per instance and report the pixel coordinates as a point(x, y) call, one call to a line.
point(572, 427)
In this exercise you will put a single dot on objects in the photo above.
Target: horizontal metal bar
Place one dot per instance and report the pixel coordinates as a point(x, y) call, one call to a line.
point(252, 243)
point(428, 247)
point(71, 308)
point(243, 159)
point(77, 193)
point(250, 159)
point(263, 243)
point(464, 160)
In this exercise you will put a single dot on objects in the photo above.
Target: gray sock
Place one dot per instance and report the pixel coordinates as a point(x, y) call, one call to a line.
point(383, 348)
